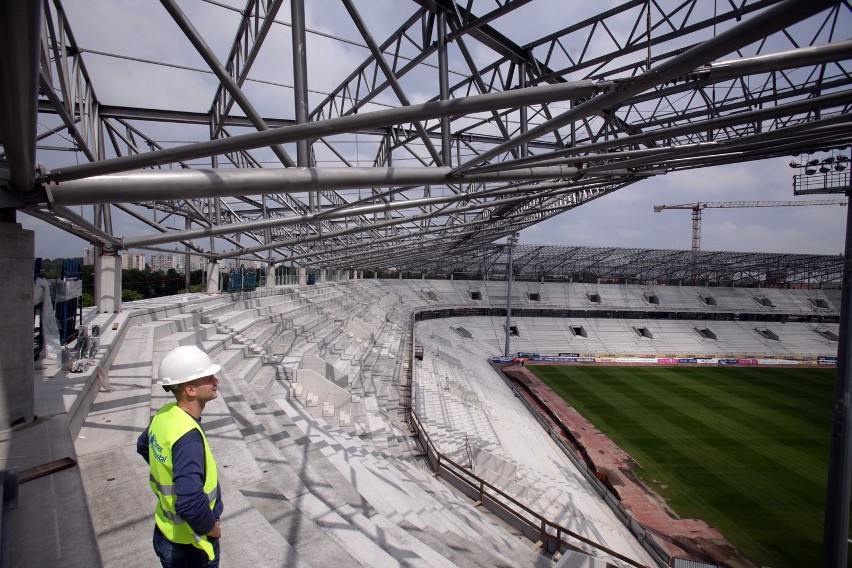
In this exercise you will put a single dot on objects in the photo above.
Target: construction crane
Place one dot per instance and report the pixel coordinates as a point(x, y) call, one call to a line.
point(701, 205)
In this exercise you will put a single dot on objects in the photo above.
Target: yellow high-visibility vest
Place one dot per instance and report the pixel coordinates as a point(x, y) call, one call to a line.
point(167, 427)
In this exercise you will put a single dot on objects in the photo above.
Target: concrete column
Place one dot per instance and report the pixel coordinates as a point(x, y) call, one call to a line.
point(17, 393)
point(322, 276)
point(303, 276)
point(213, 277)
point(270, 276)
point(108, 283)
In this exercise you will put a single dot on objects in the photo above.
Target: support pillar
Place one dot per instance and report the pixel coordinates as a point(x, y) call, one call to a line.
point(213, 277)
point(322, 276)
point(300, 77)
point(108, 282)
point(835, 541)
point(17, 393)
point(270, 276)
point(303, 276)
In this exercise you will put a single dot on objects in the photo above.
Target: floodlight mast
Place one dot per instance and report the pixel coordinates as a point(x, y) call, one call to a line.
point(511, 241)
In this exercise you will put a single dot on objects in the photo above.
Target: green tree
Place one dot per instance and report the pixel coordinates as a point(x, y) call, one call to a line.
point(173, 282)
point(130, 295)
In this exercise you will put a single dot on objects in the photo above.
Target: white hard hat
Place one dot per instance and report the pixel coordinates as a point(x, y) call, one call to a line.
point(184, 364)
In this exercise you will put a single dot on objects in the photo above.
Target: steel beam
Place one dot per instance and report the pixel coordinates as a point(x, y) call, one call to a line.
point(390, 76)
point(833, 100)
point(185, 184)
point(300, 76)
point(521, 191)
point(758, 27)
point(227, 81)
point(20, 34)
point(257, 19)
point(835, 544)
point(319, 129)
point(444, 87)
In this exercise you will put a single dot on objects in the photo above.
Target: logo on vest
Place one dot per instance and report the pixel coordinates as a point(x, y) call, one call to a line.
point(157, 448)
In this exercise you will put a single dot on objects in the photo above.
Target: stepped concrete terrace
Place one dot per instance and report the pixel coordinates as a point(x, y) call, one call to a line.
point(313, 481)
point(299, 488)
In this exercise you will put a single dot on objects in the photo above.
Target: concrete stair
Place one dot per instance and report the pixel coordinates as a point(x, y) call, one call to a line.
point(302, 485)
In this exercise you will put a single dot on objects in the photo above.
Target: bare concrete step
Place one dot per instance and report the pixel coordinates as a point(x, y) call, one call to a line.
point(308, 540)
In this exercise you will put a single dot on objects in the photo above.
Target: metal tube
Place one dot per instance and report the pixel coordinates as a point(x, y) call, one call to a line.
point(131, 242)
point(402, 251)
point(186, 258)
point(524, 121)
point(300, 76)
point(799, 57)
point(157, 226)
point(444, 86)
point(318, 129)
point(227, 81)
point(403, 220)
point(835, 545)
point(796, 107)
point(153, 185)
point(388, 72)
point(760, 26)
point(510, 240)
point(20, 34)
point(244, 51)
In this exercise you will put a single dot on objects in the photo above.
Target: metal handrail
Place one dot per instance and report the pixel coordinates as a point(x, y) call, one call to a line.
point(487, 489)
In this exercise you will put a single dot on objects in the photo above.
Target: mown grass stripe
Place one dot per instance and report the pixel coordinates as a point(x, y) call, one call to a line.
point(756, 455)
point(681, 465)
point(763, 419)
point(721, 430)
point(747, 448)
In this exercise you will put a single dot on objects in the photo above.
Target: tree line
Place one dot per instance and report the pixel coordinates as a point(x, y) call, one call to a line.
point(135, 284)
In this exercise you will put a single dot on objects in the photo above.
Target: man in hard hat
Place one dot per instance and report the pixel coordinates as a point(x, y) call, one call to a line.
point(183, 471)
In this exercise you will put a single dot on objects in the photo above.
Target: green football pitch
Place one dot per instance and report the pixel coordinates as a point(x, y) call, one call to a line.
point(743, 448)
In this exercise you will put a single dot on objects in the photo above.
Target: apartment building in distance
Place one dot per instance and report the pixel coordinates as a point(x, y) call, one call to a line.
point(133, 260)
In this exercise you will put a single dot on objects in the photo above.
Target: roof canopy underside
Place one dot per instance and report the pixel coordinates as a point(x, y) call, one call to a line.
point(355, 136)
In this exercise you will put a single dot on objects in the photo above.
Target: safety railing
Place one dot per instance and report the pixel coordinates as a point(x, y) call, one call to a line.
point(552, 536)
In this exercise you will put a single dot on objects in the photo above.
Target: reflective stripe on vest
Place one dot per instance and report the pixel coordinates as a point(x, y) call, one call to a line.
point(167, 427)
point(170, 489)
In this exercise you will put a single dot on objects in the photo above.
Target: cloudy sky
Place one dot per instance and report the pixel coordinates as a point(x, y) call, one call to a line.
point(144, 30)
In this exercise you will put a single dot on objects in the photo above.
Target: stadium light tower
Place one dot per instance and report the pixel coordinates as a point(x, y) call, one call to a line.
point(511, 241)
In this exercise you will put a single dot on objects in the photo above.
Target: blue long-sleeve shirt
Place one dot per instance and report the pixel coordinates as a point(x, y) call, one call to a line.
point(188, 473)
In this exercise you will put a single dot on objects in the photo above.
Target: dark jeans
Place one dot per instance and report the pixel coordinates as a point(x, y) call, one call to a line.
point(174, 555)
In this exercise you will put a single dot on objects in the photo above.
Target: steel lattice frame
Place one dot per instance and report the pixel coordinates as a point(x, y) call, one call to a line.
point(535, 129)
point(634, 266)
